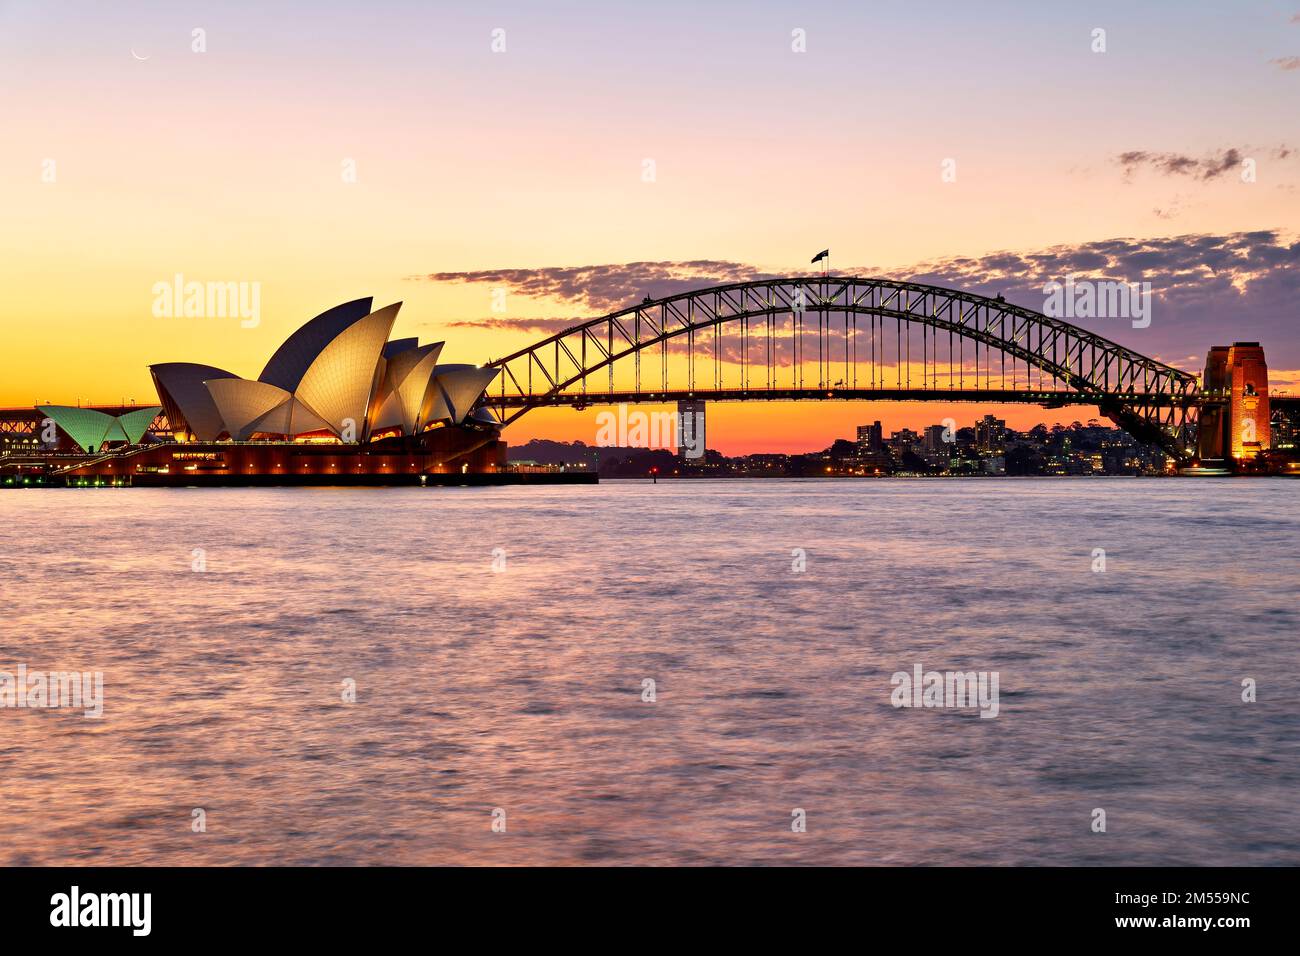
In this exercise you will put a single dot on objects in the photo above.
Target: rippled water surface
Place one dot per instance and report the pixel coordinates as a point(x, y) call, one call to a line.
point(522, 689)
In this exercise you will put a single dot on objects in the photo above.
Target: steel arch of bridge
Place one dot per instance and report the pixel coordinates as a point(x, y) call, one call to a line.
point(1153, 401)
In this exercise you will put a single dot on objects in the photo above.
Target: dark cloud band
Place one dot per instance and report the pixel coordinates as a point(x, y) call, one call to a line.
point(1209, 289)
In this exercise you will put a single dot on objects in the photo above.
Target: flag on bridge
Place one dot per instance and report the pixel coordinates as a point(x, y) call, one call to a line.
point(820, 256)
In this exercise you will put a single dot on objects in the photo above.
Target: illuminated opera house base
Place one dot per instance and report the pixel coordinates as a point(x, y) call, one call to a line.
point(446, 456)
point(338, 403)
point(442, 455)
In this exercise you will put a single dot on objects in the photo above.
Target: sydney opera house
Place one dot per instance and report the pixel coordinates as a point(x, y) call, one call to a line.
point(337, 402)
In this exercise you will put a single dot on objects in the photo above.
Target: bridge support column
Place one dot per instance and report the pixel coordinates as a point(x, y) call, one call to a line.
point(1237, 432)
point(1212, 427)
point(1250, 417)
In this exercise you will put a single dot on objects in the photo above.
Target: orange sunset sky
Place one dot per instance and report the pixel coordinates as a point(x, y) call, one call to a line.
point(130, 157)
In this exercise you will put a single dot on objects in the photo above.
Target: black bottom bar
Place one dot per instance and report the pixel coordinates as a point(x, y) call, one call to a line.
point(948, 906)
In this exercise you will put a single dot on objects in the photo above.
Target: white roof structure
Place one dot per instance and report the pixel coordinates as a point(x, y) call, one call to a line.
point(399, 345)
point(406, 380)
point(250, 407)
point(339, 374)
point(292, 359)
point(186, 399)
point(338, 383)
point(453, 392)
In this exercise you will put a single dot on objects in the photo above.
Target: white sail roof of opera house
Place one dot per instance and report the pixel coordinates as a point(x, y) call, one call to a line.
point(292, 359)
point(186, 399)
point(454, 390)
point(399, 345)
point(407, 378)
point(338, 383)
point(339, 374)
point(248, 407)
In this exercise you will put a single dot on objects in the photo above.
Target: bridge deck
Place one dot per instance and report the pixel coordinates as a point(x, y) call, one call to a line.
point(1048, 398)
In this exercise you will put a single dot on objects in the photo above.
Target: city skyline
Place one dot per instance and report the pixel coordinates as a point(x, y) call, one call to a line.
point(938, 445)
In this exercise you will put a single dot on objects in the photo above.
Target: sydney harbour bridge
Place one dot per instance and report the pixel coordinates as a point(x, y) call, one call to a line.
point(828, 338)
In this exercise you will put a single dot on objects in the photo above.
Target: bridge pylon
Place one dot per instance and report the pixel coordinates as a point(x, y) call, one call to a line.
point(1234, 429)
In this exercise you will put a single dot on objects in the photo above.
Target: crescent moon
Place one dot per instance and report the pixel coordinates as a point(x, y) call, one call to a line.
point(136, 55)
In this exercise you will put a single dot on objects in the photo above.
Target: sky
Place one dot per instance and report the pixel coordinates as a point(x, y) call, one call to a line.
point(573, 157)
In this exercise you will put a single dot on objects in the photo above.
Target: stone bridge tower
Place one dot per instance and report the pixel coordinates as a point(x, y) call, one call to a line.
point(1236, 432)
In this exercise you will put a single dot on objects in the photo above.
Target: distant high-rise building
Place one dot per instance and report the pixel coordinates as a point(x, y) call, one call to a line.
point(870, 437)
point(935, 441)
point(904, 440)
point(991, 435)
point(1284, 424)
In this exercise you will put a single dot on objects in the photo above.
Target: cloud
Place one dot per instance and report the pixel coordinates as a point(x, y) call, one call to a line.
point(1287, 63)
point(543, 326)
point(1208, 289)
point(1178, 164)
point(604, 288)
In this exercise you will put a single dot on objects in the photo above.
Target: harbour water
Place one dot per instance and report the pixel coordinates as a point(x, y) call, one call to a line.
point(500, 641)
